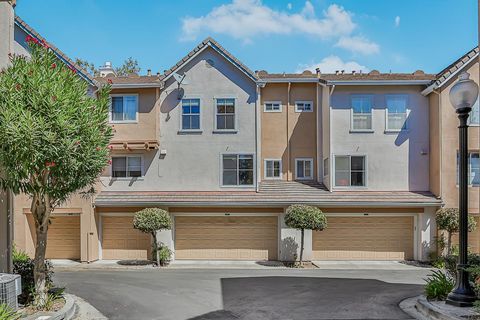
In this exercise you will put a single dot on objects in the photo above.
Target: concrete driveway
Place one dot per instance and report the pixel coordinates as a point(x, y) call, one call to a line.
point(246, 294)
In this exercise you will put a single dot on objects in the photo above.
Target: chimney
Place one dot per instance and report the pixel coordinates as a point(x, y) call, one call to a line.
point(158, 74)
point(106, 70)
point(7, 16)
point(149, 72)
point(343, 71)
point(353, 72)
point(336, 71)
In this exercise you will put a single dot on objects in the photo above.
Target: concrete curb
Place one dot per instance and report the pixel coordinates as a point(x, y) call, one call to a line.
point(431, 311)
point(66, 313)
point(422, 309)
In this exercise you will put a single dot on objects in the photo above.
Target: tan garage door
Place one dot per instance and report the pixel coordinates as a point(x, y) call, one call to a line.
point(63, 241)
point(226, 238)
point(365, 238)
point(120, 241)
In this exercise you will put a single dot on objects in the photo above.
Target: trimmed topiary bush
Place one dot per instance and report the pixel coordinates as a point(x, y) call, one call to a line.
point(448, 220)
point(301, 217)
point(152, 220)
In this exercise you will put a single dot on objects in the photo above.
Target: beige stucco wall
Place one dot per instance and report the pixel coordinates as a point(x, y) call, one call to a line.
point(288, 134)
point(146, 128)
point(396, 161)
point(449, 147)
point(435, 143)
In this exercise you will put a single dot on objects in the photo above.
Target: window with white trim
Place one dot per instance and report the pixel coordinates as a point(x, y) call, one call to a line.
point(124, 108)
point(272, 106)
point(473, 168)
point(237, 170)
point(273, 169)
point(303, 106)
point(474, 118)
point(225, 114)
point(304, 168)
point(127, 166)
point(396, 112)
point(362, 112)
point(190, 114)
point(350, 171)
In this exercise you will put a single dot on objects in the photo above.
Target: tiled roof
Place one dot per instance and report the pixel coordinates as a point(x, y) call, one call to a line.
point(62, 56)
point(217, 46)
point(131, 80)
point(443, 75)
point(270, 194)
point(371, 76)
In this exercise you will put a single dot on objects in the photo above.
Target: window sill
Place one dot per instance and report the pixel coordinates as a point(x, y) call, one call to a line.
point(124, 122)
point(362, 131)
point(224, 131)
point(127, 178)
point(186, 132)
point(303, 111)
point(396, 131)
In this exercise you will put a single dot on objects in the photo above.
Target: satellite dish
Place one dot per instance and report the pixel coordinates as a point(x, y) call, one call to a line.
point(180, 80)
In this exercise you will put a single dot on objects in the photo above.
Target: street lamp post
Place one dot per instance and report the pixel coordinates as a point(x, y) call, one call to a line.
point(462, 96)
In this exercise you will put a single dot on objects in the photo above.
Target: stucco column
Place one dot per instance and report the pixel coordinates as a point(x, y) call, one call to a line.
point(165, 237)
point(289, 242)
point(6, 218)
point(426, 233)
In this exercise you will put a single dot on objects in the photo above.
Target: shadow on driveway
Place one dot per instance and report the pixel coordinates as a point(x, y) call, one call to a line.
point(310, 298)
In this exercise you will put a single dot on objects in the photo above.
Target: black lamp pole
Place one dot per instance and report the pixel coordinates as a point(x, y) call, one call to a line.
point(462, 295)
point(462, 96)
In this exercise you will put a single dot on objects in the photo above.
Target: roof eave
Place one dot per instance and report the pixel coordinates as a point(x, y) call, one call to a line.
point(136, 85)
point(296, 80)
point(380, 82)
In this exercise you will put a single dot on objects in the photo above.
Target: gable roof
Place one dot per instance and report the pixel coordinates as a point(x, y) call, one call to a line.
point(62, 56)
point(446, 74)
point(120, 82)
point(210, 42)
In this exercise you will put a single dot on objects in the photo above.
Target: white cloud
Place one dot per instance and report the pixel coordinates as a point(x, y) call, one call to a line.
point(358, 44)
point(331, 64)
point(245, 19)
point(289, 6)
point(397, 21)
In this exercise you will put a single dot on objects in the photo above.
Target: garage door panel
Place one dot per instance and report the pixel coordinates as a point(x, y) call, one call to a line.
point(120, 241)
point(226, 238)
point(365, 238)
point(63, 240)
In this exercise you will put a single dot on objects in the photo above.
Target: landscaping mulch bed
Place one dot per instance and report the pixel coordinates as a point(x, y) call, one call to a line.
point(296, 265)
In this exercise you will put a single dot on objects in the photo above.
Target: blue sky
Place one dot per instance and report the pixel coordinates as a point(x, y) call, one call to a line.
point(274, 35)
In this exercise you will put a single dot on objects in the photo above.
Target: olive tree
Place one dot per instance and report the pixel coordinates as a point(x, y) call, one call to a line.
point(448, 220)
point(301, 217)
point(54, 138)
point(152, 220)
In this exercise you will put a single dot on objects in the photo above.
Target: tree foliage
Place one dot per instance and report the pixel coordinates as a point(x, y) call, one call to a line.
point(54, 137)
point(448, 219)
point(88, 66)
point(152, 220)
point(301, 217)
point(130, 66)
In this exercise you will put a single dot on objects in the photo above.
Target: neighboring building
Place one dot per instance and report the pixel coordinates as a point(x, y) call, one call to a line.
point(444, 140)
point(226, 150)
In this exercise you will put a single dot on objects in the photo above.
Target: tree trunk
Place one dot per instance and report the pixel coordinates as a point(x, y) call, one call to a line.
point(449, 244)
point(155, 247)
point(301, 247)
point(40, 270)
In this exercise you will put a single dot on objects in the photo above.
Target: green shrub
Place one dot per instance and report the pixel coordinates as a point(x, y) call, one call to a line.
point(439, 284)
point(6, 313)
point(23, 265)
point(165, 255)
point(447, 219)
point(152, 220)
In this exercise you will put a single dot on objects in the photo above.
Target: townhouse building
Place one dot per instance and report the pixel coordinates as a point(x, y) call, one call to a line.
point(226, 150)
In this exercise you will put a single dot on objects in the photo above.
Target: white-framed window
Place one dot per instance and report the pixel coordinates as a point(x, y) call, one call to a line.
point(474, 118)
point(303, 106)
point(473, 168)
point(396, 112)
point(350, 171)
point(237, 170)
point(190, 114)
point(127, 166)
point(123, 108)
point(273, 168)
point(326, 167)
point(304, 168)
point(272, 106)
point(225, 114)
point(362, 112)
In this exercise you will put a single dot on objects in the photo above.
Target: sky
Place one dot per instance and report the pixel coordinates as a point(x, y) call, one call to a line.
point(272, 35)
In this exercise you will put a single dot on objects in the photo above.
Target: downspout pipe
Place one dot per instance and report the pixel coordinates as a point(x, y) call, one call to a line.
point(288, 133)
